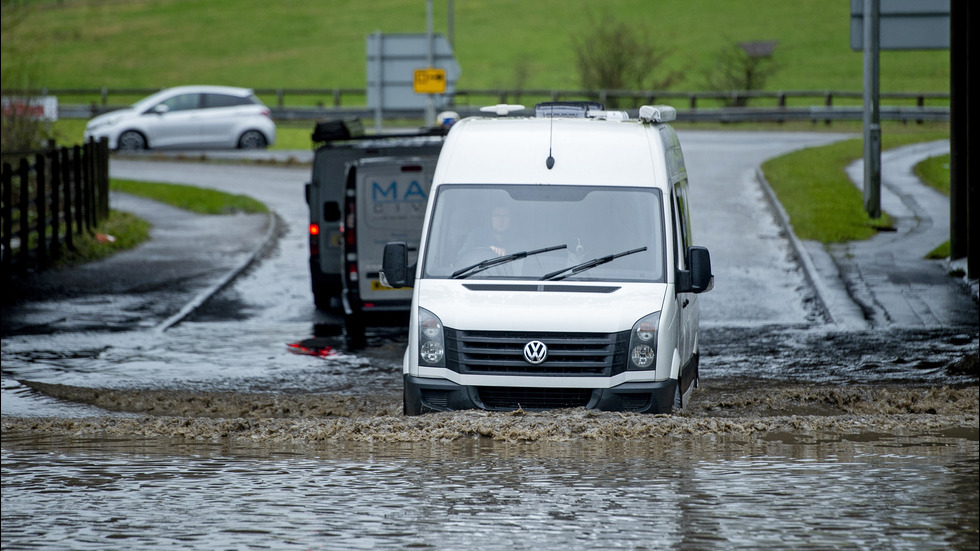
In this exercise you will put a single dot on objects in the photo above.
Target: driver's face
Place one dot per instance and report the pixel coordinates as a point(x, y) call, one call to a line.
point(500, 219)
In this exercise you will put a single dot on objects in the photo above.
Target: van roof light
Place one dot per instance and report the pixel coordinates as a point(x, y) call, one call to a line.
point(567, 109)
point(657, 113)
point(502, 109)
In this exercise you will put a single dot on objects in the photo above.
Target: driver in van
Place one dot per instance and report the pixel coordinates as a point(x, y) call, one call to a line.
point(499, 237)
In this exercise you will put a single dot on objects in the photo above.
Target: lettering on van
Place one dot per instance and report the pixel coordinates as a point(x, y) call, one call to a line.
point(413, 193)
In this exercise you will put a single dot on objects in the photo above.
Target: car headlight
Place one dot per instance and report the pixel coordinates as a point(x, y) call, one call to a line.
point(643, 343)
point(432, 343)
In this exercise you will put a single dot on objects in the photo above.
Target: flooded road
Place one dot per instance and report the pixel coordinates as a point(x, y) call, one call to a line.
point(713, 492)
point(217, 433)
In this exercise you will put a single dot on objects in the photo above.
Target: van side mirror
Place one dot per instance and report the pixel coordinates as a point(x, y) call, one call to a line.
point(395, 271)
point(331, 211)
point(700, 266)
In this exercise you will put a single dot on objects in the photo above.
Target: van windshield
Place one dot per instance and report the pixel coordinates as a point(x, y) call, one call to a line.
point(473, 223)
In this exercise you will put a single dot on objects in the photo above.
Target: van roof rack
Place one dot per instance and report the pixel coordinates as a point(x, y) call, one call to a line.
point(343, 130)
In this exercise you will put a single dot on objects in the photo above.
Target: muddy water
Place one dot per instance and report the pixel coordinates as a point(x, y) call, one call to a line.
point(218, 435)
point(744, 491)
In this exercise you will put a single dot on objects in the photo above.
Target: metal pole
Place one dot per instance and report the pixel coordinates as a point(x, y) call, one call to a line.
point(378, 86)
point(430, 106)
point(451, 25)
point(872, 123)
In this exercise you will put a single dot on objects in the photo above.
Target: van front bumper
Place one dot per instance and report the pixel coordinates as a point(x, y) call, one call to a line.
point(424, 395)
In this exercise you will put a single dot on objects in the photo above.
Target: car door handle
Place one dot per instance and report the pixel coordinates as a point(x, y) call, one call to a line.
point(685, 303)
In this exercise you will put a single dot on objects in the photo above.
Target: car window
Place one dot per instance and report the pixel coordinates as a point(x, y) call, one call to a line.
point(183, 102)
point(224, 100)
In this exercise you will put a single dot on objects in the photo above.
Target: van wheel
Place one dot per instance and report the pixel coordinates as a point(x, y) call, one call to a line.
point(678, 397)
point(411, 405)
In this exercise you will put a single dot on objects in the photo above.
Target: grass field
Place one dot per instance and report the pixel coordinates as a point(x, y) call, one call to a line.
point(499, 44)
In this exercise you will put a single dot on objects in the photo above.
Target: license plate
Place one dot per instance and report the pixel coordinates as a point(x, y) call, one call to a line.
point(377, 286)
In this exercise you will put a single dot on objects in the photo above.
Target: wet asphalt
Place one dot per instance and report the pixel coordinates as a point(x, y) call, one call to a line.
point(879, 283)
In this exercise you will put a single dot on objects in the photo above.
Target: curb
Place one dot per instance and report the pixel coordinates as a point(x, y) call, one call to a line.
point(267, 241)
point(799, 251)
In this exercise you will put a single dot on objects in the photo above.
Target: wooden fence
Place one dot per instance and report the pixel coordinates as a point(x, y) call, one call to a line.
point(48, 198)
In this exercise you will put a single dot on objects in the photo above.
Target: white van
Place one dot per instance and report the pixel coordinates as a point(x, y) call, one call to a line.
point(556, 267)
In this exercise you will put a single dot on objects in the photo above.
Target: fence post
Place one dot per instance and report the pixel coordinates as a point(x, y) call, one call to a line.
point(79, 202)
point(55, 205)
point(7, 184)
point(91, 216)
point(104, 177)
point(828, 100)
point(40, 204)
point(67, 183)
point(24, 172)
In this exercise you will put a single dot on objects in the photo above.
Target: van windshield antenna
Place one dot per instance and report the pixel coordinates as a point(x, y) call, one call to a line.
point(550, 161)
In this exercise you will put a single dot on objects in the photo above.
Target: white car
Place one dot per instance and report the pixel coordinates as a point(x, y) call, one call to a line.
point(188, 117)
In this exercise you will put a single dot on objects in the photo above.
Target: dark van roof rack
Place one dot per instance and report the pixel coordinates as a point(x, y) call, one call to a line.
point(341, 130)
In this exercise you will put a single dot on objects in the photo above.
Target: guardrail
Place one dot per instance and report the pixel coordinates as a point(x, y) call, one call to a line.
point(731, 106)
point(51, 197)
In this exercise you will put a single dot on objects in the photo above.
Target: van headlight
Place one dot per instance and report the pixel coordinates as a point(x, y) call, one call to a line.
point(643, 342)
point(432, 344)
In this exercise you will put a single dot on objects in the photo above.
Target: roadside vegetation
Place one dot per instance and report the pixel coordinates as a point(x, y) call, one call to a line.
point(821, 201)
point(194, 199)
point(119, 232)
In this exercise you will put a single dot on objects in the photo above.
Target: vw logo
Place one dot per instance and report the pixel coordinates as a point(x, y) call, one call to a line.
point(535, 352)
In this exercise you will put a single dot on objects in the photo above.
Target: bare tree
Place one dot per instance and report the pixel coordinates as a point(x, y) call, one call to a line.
point(616, 55)
point(739, 67)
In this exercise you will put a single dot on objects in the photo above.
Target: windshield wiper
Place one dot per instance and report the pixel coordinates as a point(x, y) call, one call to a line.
point(491, 262)
point(560, 274)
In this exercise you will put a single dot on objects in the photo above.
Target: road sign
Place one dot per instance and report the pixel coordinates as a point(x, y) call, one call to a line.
point(905, 25)
point(391, 62)
point(429, 81)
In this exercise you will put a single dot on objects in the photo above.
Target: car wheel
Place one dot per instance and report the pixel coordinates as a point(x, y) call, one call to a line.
point(252, 139)
point(131, 140)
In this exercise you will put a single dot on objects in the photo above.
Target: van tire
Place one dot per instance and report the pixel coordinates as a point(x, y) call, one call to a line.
point(410, 406)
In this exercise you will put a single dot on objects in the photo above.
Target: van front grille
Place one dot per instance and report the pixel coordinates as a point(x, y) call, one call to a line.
point(494, 397)
point(569, 354)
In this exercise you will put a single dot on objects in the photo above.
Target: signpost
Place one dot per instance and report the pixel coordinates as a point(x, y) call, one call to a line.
point(393, 61)
point(892, 25)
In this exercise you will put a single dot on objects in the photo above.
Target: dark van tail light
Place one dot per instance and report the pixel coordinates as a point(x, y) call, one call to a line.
point(314, 239)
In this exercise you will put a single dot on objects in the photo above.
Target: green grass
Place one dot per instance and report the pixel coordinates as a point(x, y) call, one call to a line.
point(194, 199)
point(127, 232)
point(934, 172)
point(821, 201)
point(295, 44)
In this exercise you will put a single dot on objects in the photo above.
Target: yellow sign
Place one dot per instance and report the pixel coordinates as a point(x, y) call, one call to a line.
point(430, 81)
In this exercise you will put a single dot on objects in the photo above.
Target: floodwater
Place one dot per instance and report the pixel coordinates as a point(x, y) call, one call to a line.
point(779, 490)
point(217, 434)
